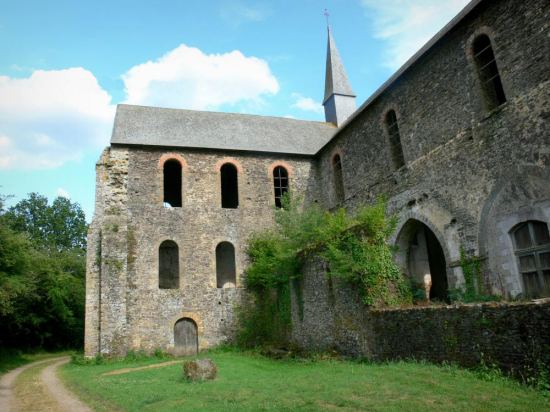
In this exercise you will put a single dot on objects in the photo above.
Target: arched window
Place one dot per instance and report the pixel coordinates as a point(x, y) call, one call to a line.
point(169, 267)
point(338, 177)
point(532, 248)
point(395, 140)
point(487, 70)
point(172, 183)
point(225, 265)
point(280, 183)
point(230, 186)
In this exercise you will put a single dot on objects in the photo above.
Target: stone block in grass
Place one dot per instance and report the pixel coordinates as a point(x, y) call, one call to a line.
point(199, 370)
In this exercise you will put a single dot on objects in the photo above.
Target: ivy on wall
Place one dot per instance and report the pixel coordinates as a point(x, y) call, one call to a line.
point(354, 246)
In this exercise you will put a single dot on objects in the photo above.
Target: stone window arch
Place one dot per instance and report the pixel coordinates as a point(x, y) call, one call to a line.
point(169, 272)
point(392, 129)
point(229, 186)
point(338, 177)
point(280, 184)
point(226, 274)
point(531, 241)
point(487, 71)
point(172, 178)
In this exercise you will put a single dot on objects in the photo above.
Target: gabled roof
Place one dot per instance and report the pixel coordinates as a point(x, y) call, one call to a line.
point(413, 60)
point(153, 126)
point(336, 79)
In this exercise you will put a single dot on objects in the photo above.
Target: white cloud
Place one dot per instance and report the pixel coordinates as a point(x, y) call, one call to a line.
point(406, 25)
point(52, 117)
point(306, 104)
point(236, 13)
point(188, 78)
point(63, 193)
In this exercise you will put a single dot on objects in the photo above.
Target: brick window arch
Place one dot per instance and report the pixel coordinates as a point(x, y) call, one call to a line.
point(487, 72)
point(532, 247)
point(172, 176)
point(229, 186)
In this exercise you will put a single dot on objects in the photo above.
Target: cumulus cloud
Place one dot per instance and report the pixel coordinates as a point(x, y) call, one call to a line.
point(406, 25)
point(63, 193)
point(52, 117)
point(188, 78)
point(306, 104)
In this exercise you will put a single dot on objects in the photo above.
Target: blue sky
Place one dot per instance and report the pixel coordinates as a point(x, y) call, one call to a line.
point(64, 65)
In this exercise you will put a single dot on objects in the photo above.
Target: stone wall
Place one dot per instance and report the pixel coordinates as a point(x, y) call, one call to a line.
point(330, 315)
point(126, 309)
point(470, 174)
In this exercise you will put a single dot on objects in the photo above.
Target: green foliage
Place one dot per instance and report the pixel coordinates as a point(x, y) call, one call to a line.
point(354, 246)
point(61, 225)
point(41, 274)
point(471, 269)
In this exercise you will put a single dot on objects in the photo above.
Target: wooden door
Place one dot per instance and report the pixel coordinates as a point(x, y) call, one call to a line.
point(185, 337)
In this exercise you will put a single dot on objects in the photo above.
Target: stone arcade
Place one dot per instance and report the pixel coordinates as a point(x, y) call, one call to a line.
point(457, 139)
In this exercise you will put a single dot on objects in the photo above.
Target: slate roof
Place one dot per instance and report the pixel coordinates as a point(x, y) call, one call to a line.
point(153, 126)
point(336, 79)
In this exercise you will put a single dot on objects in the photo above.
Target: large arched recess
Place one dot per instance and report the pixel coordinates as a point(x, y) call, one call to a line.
point(421, 253)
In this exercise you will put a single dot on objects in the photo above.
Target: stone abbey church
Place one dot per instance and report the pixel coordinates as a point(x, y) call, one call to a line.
point(457, 139)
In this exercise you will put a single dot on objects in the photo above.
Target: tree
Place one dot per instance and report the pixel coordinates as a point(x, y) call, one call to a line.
point(61, 225)
point(42, 273)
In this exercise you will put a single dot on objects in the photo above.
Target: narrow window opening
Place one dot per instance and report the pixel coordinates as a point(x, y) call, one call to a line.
point(225, 265)
point(489, 77)
point(169, 265)
point(230, 186)
point(532, 248)
point(395, 140)
point(280, 182)
point(172, 183)
point(338, 177)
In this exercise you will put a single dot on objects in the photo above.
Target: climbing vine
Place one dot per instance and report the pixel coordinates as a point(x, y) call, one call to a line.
point(354, 246)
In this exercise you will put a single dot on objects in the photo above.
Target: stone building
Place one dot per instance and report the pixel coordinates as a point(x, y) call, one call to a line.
point(457, 139)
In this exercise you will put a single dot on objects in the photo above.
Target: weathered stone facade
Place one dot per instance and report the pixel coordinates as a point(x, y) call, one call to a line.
point(126, 309)
point(471, 174)
point(329, 315)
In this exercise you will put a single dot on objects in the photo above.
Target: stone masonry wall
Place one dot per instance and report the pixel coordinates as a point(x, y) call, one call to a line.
point(514, 336)
point(134, 314)
point(470, 174)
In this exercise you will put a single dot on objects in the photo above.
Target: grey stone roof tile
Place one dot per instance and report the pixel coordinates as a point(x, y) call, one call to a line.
point(153, 126)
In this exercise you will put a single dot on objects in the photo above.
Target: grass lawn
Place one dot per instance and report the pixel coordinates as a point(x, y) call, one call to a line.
point(249, 382)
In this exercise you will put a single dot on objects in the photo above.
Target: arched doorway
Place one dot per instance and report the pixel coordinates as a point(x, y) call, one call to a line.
point(185, 337)
point(420, 254)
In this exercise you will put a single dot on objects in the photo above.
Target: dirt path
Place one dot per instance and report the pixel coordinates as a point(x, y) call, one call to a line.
point(35, 387)
point(140, 368)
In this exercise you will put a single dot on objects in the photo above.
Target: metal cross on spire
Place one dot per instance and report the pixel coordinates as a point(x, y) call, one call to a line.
point(326, 15)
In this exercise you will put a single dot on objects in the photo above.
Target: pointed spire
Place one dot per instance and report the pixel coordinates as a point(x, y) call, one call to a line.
point(339, 100)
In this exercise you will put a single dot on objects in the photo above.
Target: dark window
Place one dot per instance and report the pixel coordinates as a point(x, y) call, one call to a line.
point(169, 268)
point(487, 70)
point(532, 247)
point(395, 140)
point(172, 183)
point(225, 265)
point(280, 182)
point(338, 177)
point(230, 186)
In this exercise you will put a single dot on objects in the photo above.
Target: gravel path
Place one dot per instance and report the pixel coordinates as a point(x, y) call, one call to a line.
point(65, 401)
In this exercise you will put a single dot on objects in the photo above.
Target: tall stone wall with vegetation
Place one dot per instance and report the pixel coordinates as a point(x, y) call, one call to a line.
point(329, 314)
point(470, 173)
